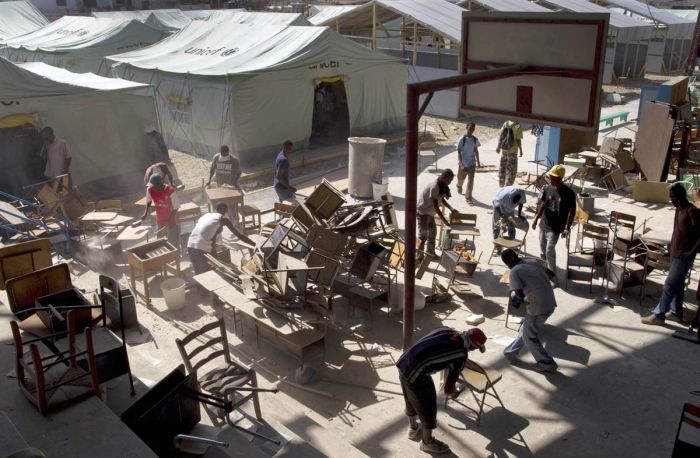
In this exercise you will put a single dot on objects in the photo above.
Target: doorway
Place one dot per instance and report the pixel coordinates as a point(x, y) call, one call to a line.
point(331, 121)
point(20, 148)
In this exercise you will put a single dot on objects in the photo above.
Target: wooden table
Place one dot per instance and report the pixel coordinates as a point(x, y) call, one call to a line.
point(134, 234)
point(98, 217)
point(11, 214)
point(230, 196)
point(149, 256)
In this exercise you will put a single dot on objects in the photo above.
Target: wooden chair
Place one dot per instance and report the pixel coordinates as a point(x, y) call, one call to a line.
point(516, 244)
point(282, 210)
point(480, 380)
point(428, 150)
point(625, 272)
point(229, 378)
point(464, 225)
point(187, 220)
point(585, 257)
point(687, 441)
point(252, 212)
point(625, 227)
point(57, 379)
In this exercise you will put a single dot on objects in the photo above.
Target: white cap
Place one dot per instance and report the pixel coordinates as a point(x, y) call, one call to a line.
point(149, 128)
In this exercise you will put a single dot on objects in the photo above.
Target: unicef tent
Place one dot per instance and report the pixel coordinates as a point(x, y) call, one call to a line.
point(253, 86)
point(79, 43)
point(102, 119)
point(18, 18)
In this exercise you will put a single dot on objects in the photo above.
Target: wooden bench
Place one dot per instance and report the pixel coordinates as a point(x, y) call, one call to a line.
point(609, 119)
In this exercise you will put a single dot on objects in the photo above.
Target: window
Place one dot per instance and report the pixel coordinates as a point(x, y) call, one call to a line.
point(180, 109)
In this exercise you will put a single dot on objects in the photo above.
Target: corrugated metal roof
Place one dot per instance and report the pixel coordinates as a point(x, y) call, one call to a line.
point(512, 6)
point(440, 16)
point(617, 20)
point(651, 12)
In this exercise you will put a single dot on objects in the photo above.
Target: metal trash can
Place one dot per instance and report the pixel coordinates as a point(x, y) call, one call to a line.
point(365, 163)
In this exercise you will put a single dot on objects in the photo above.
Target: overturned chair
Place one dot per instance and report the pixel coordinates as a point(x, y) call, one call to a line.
point(231, 381)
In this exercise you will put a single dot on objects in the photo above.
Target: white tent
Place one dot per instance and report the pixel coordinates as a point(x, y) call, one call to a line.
point(102, 119)
point(168, 20)
point(253, 86)
point(18, 18)
point(245, 17)
point(79, 43)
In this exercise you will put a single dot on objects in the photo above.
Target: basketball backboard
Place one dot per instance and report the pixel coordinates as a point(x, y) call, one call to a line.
point(563, 54)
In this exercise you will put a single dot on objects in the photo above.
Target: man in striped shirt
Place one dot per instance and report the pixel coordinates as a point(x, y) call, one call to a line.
point(444, 348)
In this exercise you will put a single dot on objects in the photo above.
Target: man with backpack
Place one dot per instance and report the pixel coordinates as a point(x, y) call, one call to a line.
point(510, 142)
point(468, 154)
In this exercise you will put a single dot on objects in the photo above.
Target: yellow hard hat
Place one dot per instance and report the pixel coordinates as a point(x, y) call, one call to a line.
point(557, 171)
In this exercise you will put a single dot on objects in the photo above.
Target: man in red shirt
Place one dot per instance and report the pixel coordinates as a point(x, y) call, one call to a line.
point(166, 216)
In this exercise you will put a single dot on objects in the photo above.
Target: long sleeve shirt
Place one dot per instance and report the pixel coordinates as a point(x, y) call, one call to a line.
point(441, 349)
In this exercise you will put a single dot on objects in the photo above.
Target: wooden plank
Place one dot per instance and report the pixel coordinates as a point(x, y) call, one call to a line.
point(651, 192)
point(211, 281)
point(98, 216)
point(134, 234)
point(10, 213)
point(654, 140)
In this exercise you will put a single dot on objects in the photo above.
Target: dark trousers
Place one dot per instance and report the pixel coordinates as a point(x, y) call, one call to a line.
point(421, 400)
point(199, 262)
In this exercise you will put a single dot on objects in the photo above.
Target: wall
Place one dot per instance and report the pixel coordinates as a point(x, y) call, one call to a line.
point(443, 103)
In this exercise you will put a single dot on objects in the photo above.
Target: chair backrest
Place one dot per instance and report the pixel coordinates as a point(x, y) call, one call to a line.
point(31, 369)
point(283, 210)
point(623, 220)
point(200, 353)
point(398, 250)
point(658, 259)
point(478, 378)
point(463, 218)
point(427, 146)
point(593, 232)
point(688, 429)
point(620, 248)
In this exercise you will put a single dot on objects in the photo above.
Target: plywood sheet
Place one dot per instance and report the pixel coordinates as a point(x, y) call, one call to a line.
point(654, 140)
point(24, 258)
point(650, 191)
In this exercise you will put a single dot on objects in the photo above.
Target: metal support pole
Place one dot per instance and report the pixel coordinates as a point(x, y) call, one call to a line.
point(412, 118)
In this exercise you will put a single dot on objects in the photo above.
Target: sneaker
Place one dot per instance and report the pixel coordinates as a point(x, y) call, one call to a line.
point(434, 446)
point(539, 367)
point(459, 190)
point(470, 201)
point(673, 317)
point(415, 433)
point(653, 320)
point(512, 359)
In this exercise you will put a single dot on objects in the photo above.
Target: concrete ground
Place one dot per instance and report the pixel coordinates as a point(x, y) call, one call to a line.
point(618, 392)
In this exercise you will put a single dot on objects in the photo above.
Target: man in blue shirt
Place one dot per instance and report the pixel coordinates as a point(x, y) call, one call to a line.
point(443, 349)
point(285, 191)
point(468, 154)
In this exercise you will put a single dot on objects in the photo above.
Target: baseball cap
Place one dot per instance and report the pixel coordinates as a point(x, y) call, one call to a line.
point(557, 171)
point(476, 337)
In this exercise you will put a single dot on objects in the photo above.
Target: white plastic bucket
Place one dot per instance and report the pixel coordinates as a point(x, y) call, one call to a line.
point(380, 190)
point(173, 292)
point(365, 162)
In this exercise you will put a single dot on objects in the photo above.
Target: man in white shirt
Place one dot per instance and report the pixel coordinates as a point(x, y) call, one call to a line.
point(504, 204)
point(203, 237)
point(56, 154)
point(468, 154)
point(428, 207)
point(225, 169)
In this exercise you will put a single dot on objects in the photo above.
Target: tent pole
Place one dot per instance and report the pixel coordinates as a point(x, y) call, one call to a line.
point(374, 26)
point(403, 36)
point(415, 46)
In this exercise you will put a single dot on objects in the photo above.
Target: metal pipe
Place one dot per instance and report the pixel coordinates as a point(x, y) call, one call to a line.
point(202, 440)
point(412, 117)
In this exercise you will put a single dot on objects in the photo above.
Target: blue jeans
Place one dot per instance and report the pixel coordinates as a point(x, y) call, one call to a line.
point(528, 335)
point(548, 245)
point(285, 194)
point(674, 288)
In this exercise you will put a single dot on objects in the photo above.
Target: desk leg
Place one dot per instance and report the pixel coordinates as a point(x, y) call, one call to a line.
point(145, 287)
point(132, 276)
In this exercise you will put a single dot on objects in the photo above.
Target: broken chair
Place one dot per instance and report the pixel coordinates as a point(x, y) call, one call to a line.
point(502, 243)
point(52, 380)
point(585, 257)
point(228, 379)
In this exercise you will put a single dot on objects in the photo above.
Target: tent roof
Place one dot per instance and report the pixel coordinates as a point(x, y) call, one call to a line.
point(78, 32)
point(617, 20)
point(325, 13)
point(245, 17)
point(643, 9)
point(139, 15)
point(218, 49)
point(687, 14)
point(18, 18)
point(36, 79)
point(168, 20)
point(513, 6)
point(439, 16)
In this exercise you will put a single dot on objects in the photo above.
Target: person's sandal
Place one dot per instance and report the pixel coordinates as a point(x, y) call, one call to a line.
point(415, 433)
point(434, 446)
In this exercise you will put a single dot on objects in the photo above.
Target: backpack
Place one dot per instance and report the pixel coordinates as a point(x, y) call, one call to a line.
point(463, 140)
point(507, 138)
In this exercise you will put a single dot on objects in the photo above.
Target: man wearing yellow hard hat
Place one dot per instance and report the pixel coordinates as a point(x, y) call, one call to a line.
point(556, 207)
